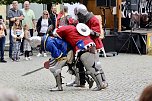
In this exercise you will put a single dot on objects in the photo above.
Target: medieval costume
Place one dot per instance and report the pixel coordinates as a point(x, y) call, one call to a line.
point(93, 23)
point(84, 48)
point(58, 49)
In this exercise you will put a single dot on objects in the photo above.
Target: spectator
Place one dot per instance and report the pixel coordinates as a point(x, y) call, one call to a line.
point(64, 18)
point(146, 94)
point(42, 26)
point(29, 18)
point(17, 34)
point(2, 39)
point(14, 14)
point(27, 46)
point(53, 15)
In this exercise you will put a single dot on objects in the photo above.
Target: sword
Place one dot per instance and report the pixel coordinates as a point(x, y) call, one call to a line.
point(47, 64)
point(33, 71)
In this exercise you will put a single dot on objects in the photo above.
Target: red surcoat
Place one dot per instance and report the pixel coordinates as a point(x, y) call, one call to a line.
point(70, 34)
point(93, 24)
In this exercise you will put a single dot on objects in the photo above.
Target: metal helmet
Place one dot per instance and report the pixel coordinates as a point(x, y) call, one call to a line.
point(81, 12)
point(81, 9)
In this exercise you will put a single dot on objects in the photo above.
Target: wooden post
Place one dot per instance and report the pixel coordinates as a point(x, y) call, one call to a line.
point(119, 14)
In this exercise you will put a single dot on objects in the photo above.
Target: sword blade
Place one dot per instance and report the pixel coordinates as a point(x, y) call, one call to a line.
point(33, 71)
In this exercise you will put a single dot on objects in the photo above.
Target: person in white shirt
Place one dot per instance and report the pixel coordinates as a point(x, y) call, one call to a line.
point(17, 34)
point(42, 25)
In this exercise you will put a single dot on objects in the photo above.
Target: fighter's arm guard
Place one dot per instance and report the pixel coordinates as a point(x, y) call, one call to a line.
point(95, 34)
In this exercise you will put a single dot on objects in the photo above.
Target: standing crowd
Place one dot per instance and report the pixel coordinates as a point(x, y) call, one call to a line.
point(22, 25)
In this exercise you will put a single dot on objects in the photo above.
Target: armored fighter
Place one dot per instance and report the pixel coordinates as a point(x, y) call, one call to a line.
point(84, 48)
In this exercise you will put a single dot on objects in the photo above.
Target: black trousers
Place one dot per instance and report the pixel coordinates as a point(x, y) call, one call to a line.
point(80, 66)
point(41, 48)
point(22, 46)
point(31, 32)
point(27, 53)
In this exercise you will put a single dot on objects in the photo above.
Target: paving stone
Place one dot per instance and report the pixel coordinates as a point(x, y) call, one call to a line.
point(127, 75)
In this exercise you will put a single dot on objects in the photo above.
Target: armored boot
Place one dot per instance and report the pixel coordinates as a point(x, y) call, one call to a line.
point(98, 80)
point(105, 84)
point(70, 84)
point(59, 84)
point(89, 80)
point(93, 69)
point(73, 83)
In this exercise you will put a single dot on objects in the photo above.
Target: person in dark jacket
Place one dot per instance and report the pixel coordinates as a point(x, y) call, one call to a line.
point(53, 15)
point(42, 26)
point(2, 39)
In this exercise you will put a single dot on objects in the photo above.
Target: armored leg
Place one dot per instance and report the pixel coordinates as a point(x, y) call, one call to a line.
point(56, 70)
point(80, 75)
point(88, 59)
point(74, 71)
point(59, 83)
point(98, 66)
point(80, 72)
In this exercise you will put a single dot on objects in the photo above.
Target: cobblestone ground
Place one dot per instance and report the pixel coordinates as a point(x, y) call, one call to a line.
point(126, 74)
